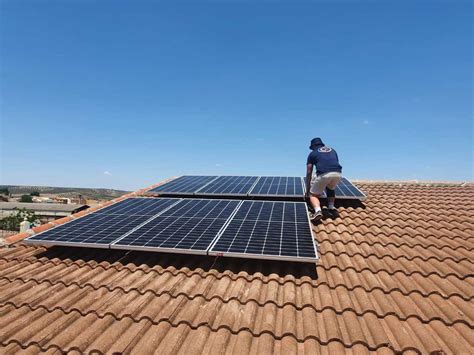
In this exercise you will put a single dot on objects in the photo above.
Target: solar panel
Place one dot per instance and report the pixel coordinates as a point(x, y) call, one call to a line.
point(100, 228)
point(187, 184)
point(346, 190)
point(137, 206)
point(229, 185)
point(188, 227)
point(268, 230)
point(278, 186)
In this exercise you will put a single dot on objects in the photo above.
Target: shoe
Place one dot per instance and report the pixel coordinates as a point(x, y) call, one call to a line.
point(316, 216)
point(334, 213)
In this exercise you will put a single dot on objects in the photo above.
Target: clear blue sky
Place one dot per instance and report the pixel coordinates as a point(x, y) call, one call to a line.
point(123, 94)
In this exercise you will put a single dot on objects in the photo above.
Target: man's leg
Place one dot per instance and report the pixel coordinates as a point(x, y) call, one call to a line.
point(331, 198)
point(331, 193)
point(314, 200)
point(317, 189)
point(331, 202)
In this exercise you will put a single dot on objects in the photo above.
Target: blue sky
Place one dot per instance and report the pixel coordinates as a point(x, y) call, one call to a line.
point(123, 94)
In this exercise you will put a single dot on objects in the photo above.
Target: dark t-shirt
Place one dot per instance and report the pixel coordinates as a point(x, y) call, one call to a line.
point(325, 159)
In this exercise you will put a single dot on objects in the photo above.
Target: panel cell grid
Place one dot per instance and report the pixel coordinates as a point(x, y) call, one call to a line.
point(184, 184)
point(137, 207)
point(278, 186)
point(265, 229)
point(191, 225)
point(101, 228)
point(229, 185)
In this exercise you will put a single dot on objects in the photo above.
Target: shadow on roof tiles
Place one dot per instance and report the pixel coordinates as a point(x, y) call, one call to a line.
point(180, 261)
point(348, 204)
point(355, 204)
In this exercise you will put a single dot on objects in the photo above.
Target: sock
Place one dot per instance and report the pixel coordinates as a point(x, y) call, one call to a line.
point(317, 209)
point(331, 206)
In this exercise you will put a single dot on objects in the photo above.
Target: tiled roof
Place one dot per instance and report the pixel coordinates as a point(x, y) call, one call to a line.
point(395, 274)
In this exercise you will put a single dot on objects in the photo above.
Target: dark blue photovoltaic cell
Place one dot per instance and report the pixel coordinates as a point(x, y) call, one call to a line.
point(191, 224)
point(91, 229)
point(106, 225)
point(278, 186)
point(229, 185)
point(185, 184)
point(268, 229)
point(346, 190)
point(138, 206)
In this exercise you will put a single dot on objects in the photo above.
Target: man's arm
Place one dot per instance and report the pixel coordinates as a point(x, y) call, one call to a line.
point(309, 173)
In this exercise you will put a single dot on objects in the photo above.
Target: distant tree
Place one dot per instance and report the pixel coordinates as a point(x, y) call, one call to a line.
point(26, 198)
point(12, 222)
point(4, 191)
point(35, 193)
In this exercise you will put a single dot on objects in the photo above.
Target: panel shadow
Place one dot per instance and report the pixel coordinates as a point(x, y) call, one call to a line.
point(205, 263)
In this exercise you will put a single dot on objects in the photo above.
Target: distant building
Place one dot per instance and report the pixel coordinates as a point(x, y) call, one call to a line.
point(42, 199)
point(45, 211)
point(64, 200)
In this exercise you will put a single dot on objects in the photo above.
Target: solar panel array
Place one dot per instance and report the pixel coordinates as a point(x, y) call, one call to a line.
point(251, 186)
point(266, 229)
point(239, 227)
point(269, 186)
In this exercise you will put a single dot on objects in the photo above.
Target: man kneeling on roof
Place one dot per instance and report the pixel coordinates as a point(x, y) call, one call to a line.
point(328, 175)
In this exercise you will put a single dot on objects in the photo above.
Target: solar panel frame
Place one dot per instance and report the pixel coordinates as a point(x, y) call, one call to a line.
point(229, 185)
point(183, 185)
point(196, 222)
point(109, 220)
point(245, 254)
point(258, 190)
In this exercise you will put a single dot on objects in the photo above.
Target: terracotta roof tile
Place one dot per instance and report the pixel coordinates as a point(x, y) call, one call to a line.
point(395, 274)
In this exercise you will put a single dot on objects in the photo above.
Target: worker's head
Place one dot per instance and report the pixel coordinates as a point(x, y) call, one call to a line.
point(315, 142)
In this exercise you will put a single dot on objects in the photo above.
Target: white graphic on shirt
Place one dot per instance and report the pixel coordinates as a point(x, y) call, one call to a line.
point(324, 150)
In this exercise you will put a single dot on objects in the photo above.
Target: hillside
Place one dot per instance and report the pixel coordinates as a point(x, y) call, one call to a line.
point(89, 193)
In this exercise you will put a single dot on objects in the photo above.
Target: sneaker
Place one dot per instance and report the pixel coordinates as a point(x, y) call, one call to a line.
point(316, 216)
point(333, 211)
